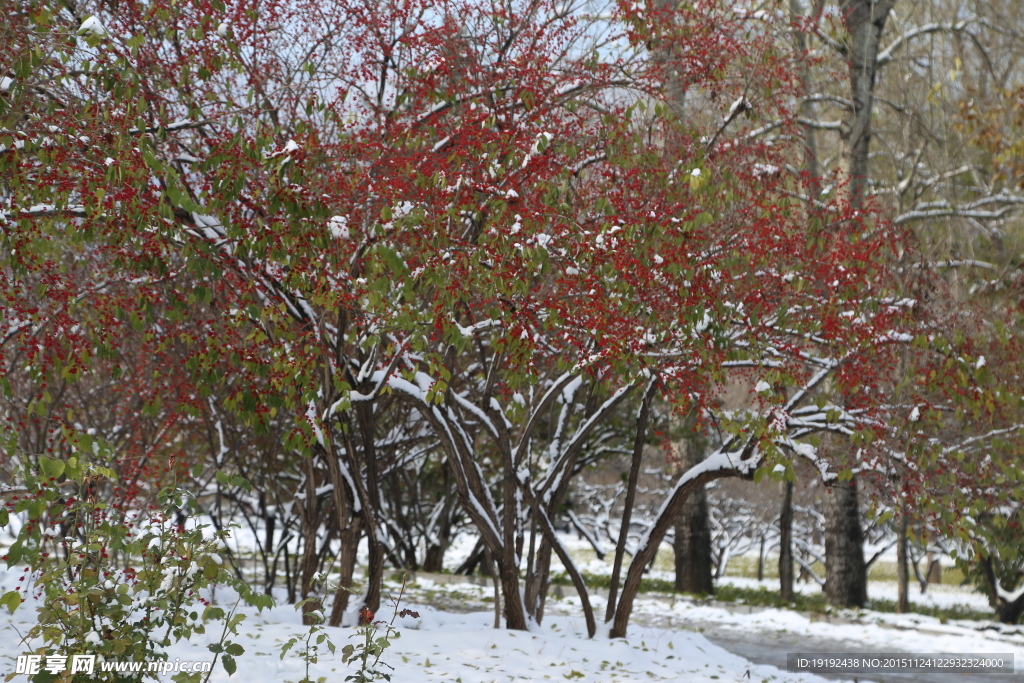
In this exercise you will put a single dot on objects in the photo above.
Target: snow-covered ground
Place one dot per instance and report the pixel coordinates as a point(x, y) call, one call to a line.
point(938, 595)
point(666, 642)
point(447, 646)
point(847, 631)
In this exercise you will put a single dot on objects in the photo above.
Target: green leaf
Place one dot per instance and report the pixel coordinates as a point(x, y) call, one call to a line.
point(14, 554)
point(11, 600)
point(56, 468)
point(235, 649)
point(211, 613)
point(229, 664)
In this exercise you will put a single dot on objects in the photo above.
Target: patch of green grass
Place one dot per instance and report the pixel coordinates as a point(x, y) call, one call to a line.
point(746, 566)
point(647, 585)
point(816, 604)
point(941, 613)
point(765, 597)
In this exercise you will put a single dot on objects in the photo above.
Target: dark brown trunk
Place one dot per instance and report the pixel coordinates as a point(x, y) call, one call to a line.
point(551, 543)
point(349, 546)
point(934, 569)
point(627, 509)
point(845, 571)
point(374, 578)
point(310, 526)
point(350, 530)
point(433, 561)
point(543, 572)
point(508, 575)
point(506, 552)
point(1008, 612)
point(269, 569)
point(694, 573)
point(475, 557)
point(532, 582)
point(786, 543)
point(289, 577)
point(375, 569)
point(692, 545)
point(902, 568)
point(760, 560)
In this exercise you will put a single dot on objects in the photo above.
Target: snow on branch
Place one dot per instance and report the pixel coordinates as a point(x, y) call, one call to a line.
point(742, 462)
point(957, 263)
point(976, 209)
point(820, 125)
point(886, 55)
point(43, 211)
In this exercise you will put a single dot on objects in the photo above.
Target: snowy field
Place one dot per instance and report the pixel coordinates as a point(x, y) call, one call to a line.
point(451, 647)
point(453, 639)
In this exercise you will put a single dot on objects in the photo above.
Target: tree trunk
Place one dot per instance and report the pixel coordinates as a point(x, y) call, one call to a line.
point(310, 525)
point(627, 510)
point(902, 569)
point(845, 571)
point(349, 546)
point(508, 573)
point(655, 535)
point(693, 544)
point(934, 569)
point(786, 543)
point(434, 559)
point(803, 72)
point(865, 22)
point(1009, 612)
point(539, 581)
point(374, 577)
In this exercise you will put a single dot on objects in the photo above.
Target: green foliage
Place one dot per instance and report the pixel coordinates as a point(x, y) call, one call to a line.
point(93, 599)
point(372, 641)
point(369, 647)
point(315, 638)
